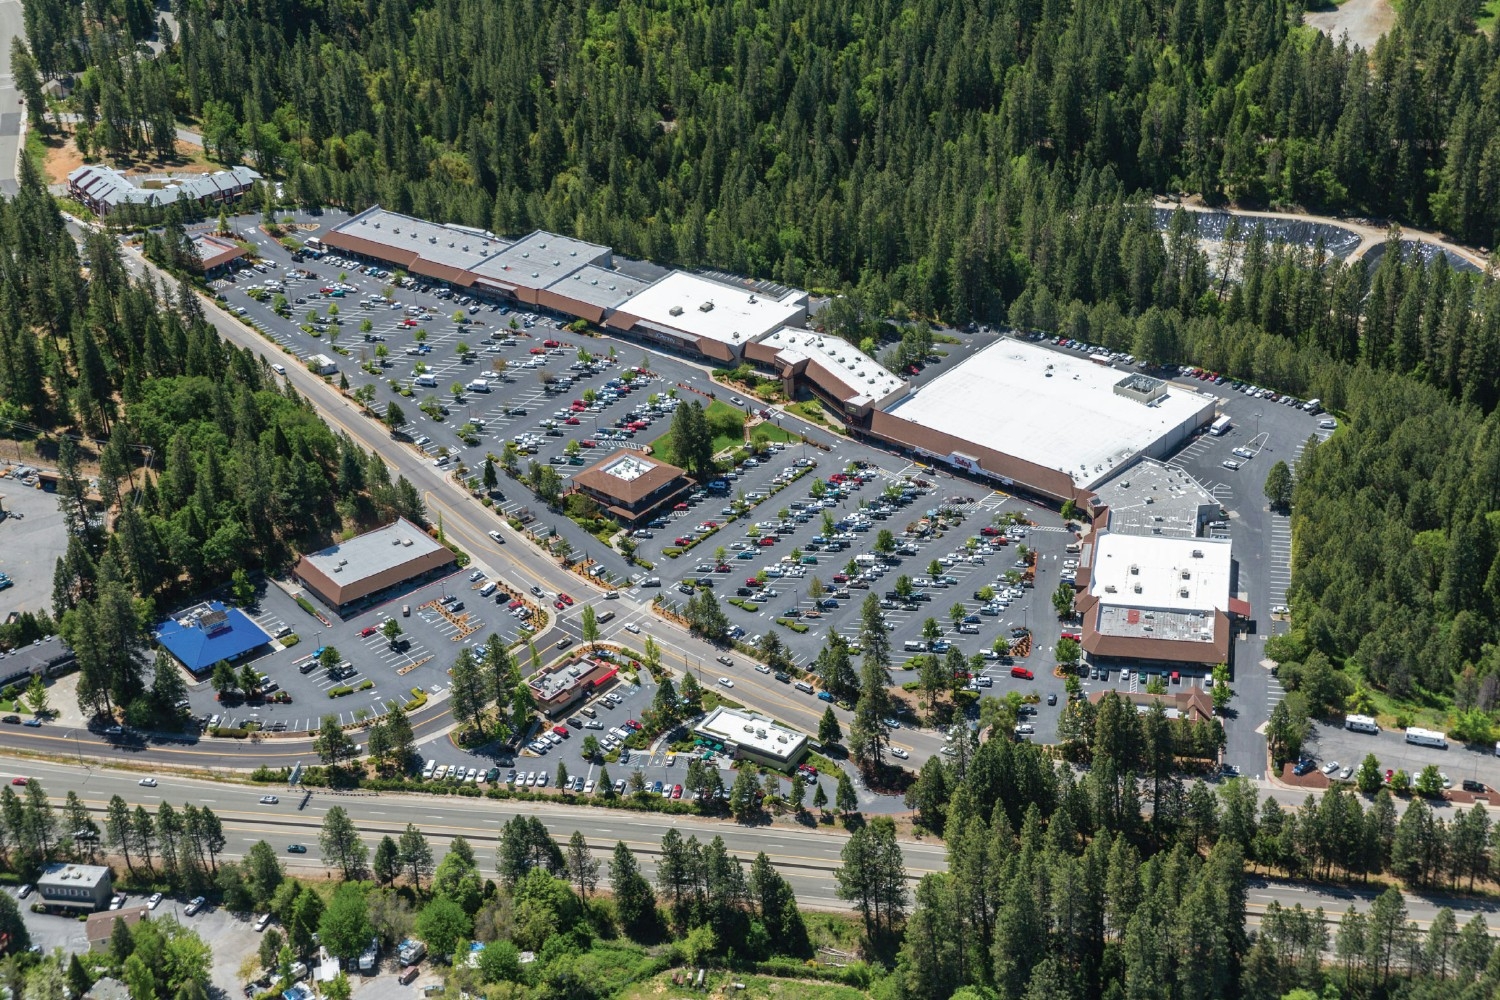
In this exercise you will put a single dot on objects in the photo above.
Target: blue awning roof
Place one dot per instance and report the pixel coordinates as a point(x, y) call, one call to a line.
point(208, 634)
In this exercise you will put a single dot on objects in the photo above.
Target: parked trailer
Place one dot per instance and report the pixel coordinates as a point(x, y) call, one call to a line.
point(1360, 724)
point(1426, 738)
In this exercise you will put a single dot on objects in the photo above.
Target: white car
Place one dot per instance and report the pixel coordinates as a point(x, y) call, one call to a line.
point(1230, 464)
point(1330, 767)
point(633, 628)
point(496, 536)
point(761, 668)
point(154, 901)
point(147, 782)
point(726, 682)
point(269, 800)
point(899, 753)
point(278, 369)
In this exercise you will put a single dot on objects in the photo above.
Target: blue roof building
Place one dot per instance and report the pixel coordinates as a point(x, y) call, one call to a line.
point(202, 636)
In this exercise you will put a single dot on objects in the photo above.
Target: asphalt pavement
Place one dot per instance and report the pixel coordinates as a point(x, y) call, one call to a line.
point(807, 857)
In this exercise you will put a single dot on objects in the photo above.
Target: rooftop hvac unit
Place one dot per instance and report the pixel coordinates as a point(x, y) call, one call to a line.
point(675, 310)
point(432, 239)
point(1187, 574)
point(1135, 570)
point(752, 297)
point(749, 728)
point(1111, 589)
point(1197, 553)
point(395, 541)
point(1183, 592)
point(707, 306)
point(781, 739)
point(406, 542)
point(760, 734)
point(1137, 588)
point(557, 263)
point(338, 569)
point(1148, 628)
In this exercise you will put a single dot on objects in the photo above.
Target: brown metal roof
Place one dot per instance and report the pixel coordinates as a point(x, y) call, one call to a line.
point(1126, 647)
point(622, 491)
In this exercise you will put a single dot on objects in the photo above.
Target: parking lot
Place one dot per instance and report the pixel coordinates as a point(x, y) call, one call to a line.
point(535, 766)
point(431, 636)
point(590, 407)
point(32, 538)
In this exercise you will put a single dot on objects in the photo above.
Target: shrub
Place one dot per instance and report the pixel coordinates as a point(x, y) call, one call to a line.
point(366, 685)
point(306, 605)
point(671, 552)
point(287, 642)
point(228, 733)
point(340, 691)
point(797, 627)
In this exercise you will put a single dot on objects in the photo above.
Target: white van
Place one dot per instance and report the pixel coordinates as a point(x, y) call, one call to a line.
point(428, 768)
point(487, 589)
point(262, 921)
point(804, 687)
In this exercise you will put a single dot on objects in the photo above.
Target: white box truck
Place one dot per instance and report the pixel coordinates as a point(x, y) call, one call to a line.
point(479, 385)
point(428, 380)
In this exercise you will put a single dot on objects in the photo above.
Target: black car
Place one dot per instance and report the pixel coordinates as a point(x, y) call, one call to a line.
point(11, 720)
point(1052, 698)
point(1470, 785)
point(1303, 767)
point(296, 848)
point(783, 678)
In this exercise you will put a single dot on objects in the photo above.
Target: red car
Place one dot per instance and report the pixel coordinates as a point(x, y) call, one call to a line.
point(538, 350)
point(751, 581)
point(768, 540)
point(680, 506)
point(565, 599)
point(991, 532)
point(367, 631)
point(560, 730)
point(682, 540)
point(408, 321)
point(559, 605)
point(1022, 673)
point(632, 724)
point(572, 421)
point(676, 791)
point(710, 525)
point(587, 443)
point(326, 289)
point(18, 781)
point(514, 605)
point(551, 343)
point(722, 568)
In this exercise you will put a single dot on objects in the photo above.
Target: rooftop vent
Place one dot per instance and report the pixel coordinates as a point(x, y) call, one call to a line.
point(1197, 553)
point(1183, 592)
point(1137, 588)
point(1111, 589)
point(675, 310)
point(406, 542)
point(1135, 570)
point(707, 306)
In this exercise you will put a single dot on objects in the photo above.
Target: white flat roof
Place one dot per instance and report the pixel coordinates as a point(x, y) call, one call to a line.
point(755, 732)
point(1173, 574)
point(1051, 408)
point(733, 316)
point(861, 374)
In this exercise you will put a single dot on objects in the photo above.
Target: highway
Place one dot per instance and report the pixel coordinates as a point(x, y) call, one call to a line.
point(806, 857)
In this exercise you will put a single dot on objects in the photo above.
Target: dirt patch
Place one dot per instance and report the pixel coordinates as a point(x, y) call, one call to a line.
point(1364, 21)
point(63, 158)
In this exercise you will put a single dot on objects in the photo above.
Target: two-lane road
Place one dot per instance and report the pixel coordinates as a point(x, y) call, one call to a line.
point(12, 25)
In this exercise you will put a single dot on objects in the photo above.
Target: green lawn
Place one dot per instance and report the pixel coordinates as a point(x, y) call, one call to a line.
point(1487, 14)
point(756, 988)
point(728, 422)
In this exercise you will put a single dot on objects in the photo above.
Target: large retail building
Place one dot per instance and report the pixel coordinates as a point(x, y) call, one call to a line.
point(1050, 423)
